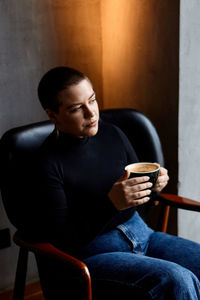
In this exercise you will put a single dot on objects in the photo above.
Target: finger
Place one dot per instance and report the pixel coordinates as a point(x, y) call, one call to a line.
point(159, 186)
point(162, 179)
point(139, 201)
point(125, 176)
point(163, 171)
point(140, 186)
point(141, 194)
point(137, 180)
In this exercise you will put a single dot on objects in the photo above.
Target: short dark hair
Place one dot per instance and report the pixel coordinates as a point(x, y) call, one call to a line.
point(54, 81)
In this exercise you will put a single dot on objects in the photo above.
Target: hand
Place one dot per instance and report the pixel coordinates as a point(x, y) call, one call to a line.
point(126, 192)
point(162, 180)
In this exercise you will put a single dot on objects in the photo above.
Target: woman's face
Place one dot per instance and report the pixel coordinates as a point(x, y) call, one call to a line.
point(78, 112)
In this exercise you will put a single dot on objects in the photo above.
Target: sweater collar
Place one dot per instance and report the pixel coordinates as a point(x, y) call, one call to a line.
point(67, 139)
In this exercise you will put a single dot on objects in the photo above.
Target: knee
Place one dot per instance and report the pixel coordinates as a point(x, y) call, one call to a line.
point(180, 283)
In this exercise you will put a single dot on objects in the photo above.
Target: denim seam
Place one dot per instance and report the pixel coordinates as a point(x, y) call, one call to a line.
point(131, 236)
point(128, 233)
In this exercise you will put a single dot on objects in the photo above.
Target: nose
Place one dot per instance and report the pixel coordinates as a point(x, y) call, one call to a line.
point(89, 112)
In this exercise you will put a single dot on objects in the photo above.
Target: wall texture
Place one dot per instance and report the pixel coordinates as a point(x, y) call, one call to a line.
point(189, 116)
point(35, 36)
point(140, 65)
point(128, 48)
point(22, 57)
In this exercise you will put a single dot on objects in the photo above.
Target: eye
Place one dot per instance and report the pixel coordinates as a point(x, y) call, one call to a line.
point(76, 109)
point(92, 100)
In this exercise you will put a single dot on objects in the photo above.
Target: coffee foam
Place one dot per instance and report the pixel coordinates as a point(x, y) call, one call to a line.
point(142, 167)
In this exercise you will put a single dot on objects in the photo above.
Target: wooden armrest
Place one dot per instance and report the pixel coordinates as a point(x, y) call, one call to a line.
point(51, 251)
point(179, 202)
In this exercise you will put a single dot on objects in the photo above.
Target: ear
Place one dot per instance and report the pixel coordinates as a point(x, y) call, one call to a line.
point(52, 115)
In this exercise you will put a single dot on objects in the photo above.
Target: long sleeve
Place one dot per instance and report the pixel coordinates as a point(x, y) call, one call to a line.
point(72, 182)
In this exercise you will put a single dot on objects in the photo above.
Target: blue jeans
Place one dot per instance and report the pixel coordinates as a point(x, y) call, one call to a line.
point(140, 263)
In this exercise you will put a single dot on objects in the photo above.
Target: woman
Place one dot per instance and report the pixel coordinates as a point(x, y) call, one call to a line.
point(88, 203)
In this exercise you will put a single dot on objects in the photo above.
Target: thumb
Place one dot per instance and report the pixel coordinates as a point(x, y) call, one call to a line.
point(124, 176)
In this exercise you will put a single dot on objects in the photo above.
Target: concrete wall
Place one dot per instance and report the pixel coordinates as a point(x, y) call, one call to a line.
point(189, 116)
point(128, 48)
point(21, 61)
point(35, 36)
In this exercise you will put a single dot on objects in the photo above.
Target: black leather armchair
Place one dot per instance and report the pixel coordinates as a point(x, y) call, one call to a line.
point(19, 143)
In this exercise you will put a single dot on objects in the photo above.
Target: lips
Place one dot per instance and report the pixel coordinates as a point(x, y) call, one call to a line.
point(92, 124)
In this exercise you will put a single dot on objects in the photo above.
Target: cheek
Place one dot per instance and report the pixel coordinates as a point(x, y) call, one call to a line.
point(97, 110)
point(76, 122)
point(67, 123)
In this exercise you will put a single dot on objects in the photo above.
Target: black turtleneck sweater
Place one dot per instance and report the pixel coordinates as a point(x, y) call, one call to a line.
point(74, 177)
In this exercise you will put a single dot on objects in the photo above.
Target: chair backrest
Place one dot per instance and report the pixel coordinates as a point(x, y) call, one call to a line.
point(18, 144)
point(140, 130)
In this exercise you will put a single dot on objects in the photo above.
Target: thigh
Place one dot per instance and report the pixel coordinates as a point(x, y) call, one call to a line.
point(137, 276)
point(112, 241)
point(175, 249)
point(115, 275)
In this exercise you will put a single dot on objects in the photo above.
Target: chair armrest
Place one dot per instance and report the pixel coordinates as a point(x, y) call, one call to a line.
point(179, 202)
point(51, 251)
